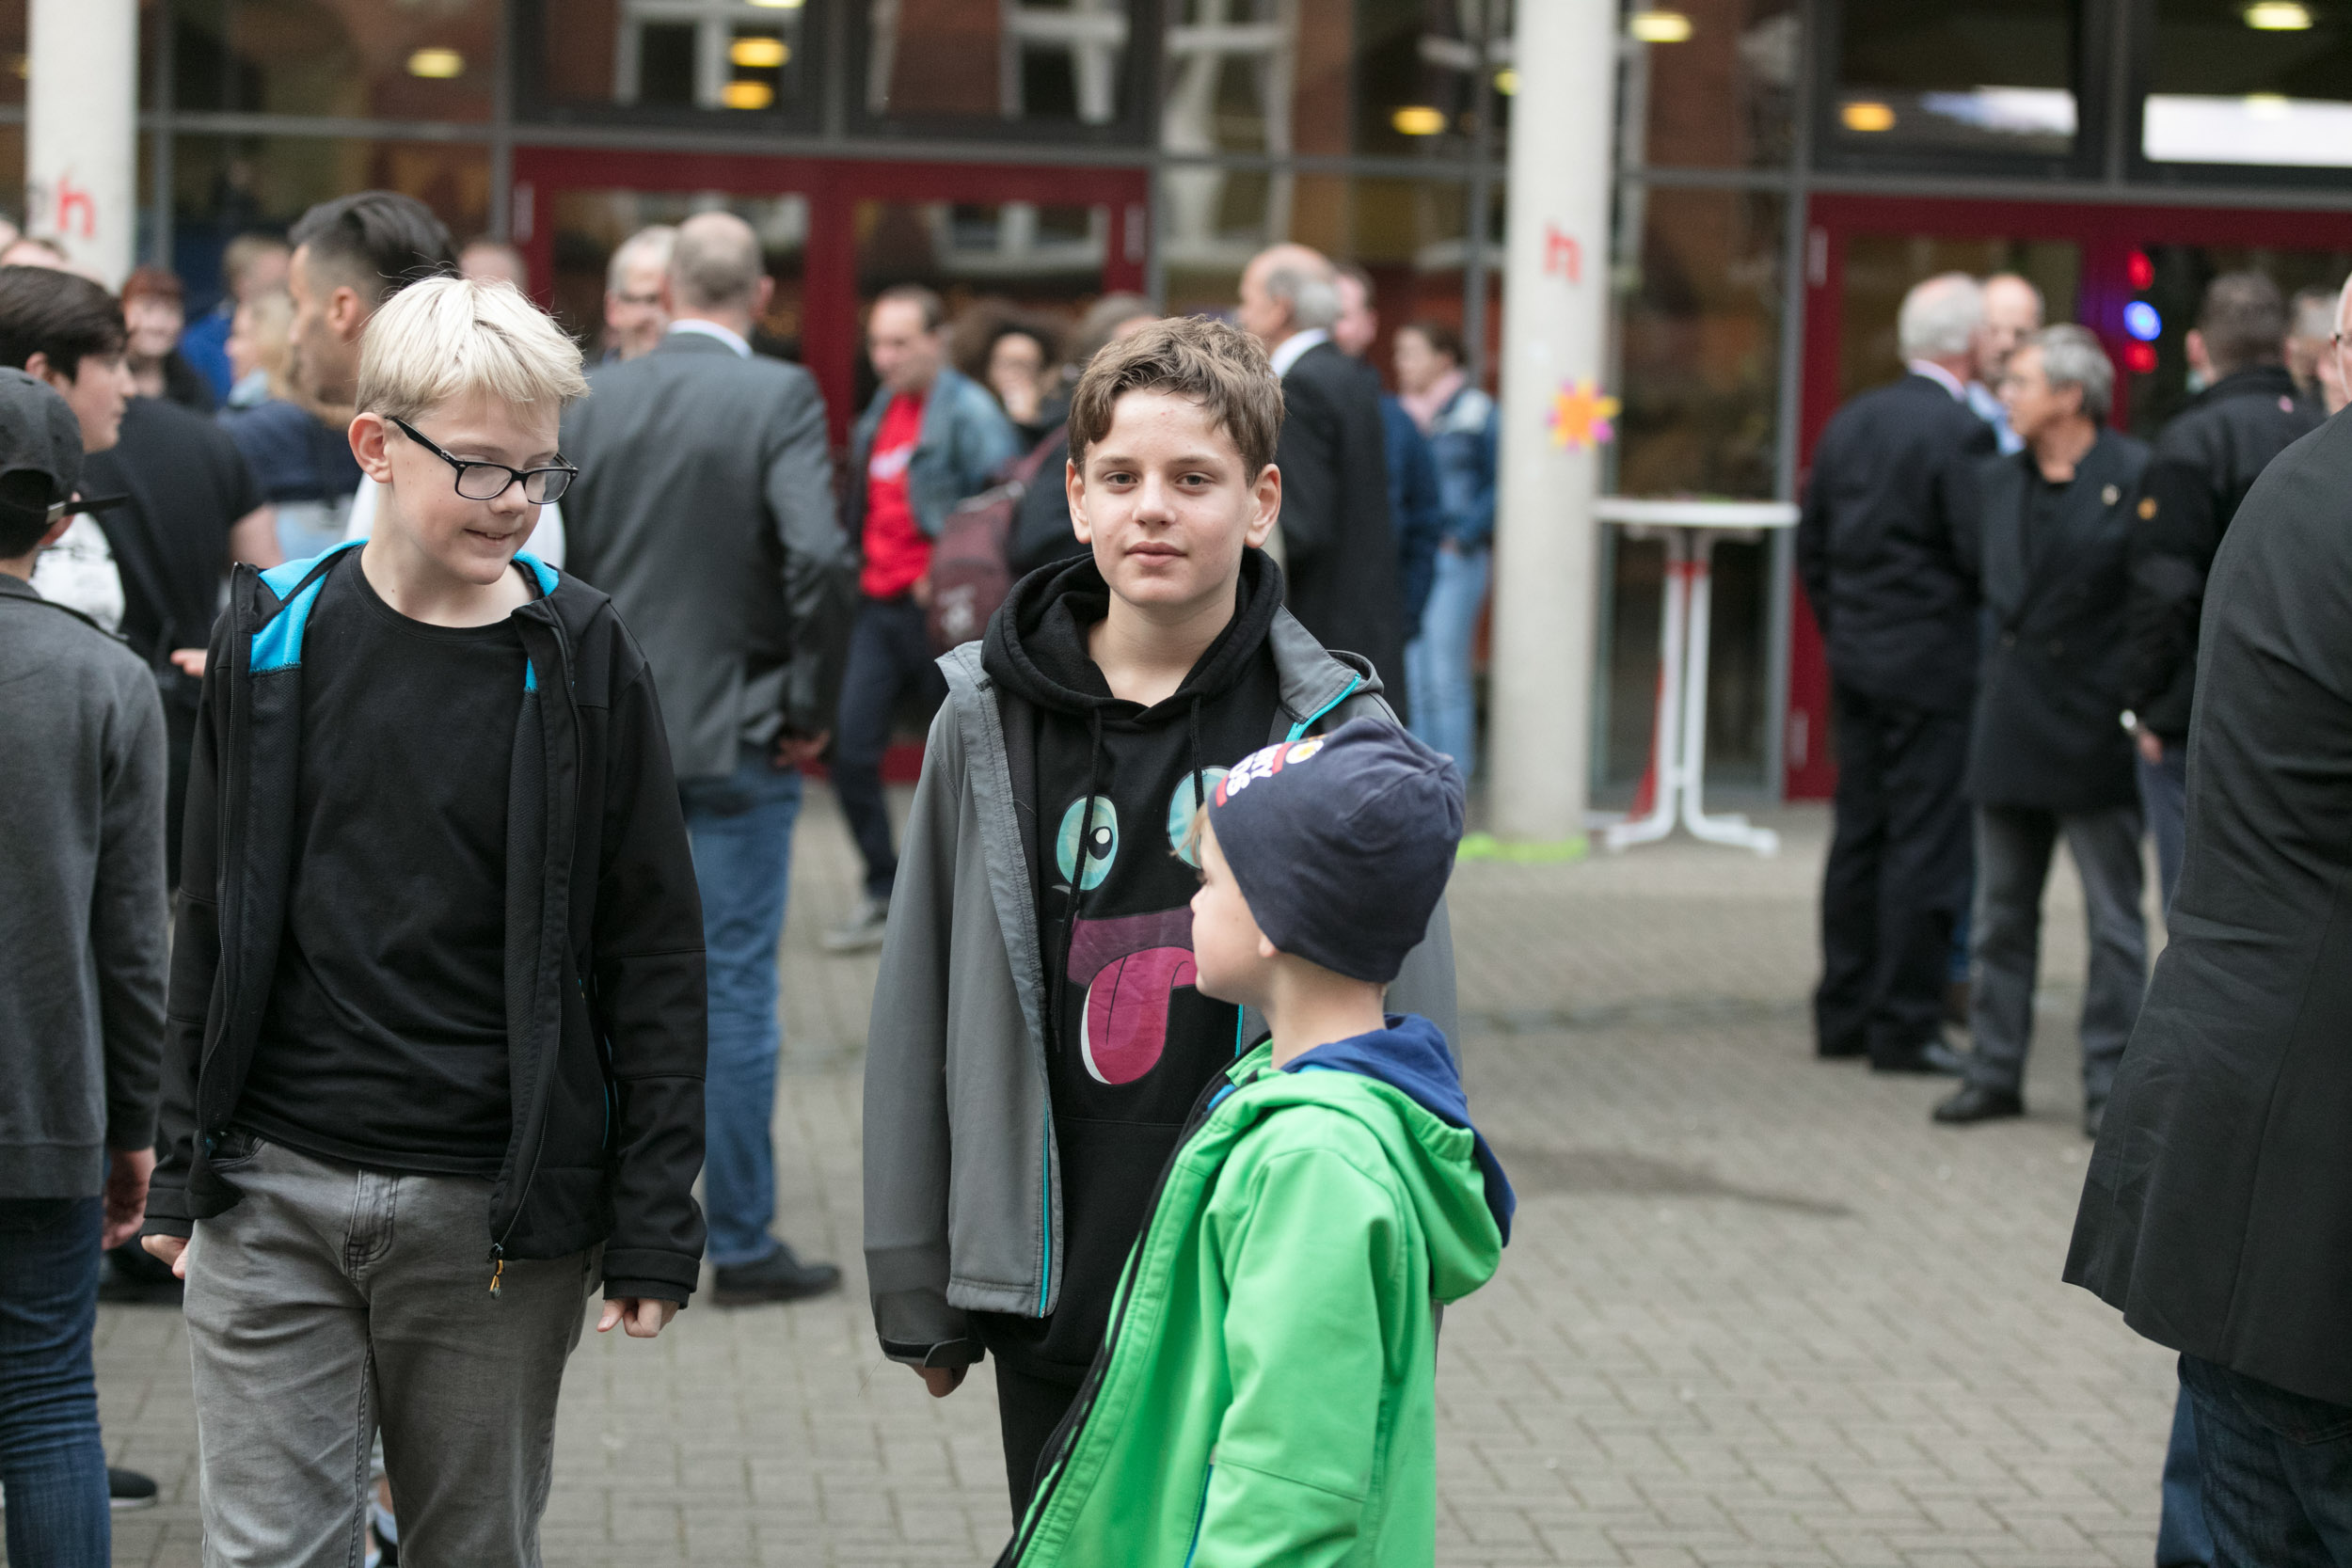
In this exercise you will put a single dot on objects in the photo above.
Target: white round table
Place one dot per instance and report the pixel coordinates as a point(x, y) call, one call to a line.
point(1688, 529)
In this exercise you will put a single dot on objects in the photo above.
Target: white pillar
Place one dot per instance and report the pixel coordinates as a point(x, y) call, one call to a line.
point(81, 132)
point(1555, 327)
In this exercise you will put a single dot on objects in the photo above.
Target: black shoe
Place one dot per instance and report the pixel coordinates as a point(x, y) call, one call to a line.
point(1974, 1103)
point(129, 1489)
point(1933, 1057)
point(2094, 1114)
point(778, 1277)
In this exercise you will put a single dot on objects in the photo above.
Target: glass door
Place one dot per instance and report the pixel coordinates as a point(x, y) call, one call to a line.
point(2132, 274)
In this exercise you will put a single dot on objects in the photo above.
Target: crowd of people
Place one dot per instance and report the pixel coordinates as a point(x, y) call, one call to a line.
point(2040, 630)
point(423, 714)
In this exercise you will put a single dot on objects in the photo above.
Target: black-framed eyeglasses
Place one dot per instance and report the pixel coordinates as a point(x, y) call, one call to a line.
point(478, 481)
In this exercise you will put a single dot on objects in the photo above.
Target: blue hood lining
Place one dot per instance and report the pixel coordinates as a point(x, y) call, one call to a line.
point(1411, 1056)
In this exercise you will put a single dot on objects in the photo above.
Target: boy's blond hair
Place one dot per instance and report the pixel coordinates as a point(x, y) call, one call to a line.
point(1221, 367)
point(448, 338)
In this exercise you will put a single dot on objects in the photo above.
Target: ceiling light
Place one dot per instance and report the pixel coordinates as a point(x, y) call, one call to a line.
point(747, 95)
point(2278, 16)
point(2266, 105)
point(2142, 321)
point(1869, 116)
point(1658, 27)
point(778, 5)
point(437, 65)
point(1418, 119)
point(758, 53)
point(1507, 81)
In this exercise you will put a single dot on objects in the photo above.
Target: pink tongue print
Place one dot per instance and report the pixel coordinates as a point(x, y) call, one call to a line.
point(1129, 967)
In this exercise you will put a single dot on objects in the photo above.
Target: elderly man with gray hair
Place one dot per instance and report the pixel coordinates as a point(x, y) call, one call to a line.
point(634, 316)
point(1885, 547)
point(1338, 543)
point(2047, 759)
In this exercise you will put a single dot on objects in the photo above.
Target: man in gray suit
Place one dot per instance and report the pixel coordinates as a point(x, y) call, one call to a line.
point(705, 507)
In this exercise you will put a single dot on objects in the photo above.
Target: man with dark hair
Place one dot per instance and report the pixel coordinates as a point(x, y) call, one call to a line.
point(2202, 464)
point(931, 437)
point(62, 328)
point(81, 996)
point(705, 507)
point(1337, 540)
point(351, 255)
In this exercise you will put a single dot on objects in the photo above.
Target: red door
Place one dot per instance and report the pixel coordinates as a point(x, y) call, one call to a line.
point(2092, 261)
point(837, 230)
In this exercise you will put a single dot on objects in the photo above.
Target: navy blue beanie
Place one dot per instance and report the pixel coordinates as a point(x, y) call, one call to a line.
point(1341, 842)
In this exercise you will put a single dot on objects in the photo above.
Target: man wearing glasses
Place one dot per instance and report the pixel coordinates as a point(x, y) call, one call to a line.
point(705, 507)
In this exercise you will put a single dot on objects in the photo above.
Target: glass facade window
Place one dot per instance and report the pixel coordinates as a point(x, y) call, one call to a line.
point(1075, 65)
point(2177, 276)
point(1956, 78)
point(2267, 83)
point(361, 59)
point(738, 60)
point(223, 186)
point(1699, 313)
point(1882, 268)
point(590, 225)
point(1709, 83)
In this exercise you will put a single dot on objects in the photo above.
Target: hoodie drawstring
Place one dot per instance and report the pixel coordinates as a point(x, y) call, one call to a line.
point(1079, 862)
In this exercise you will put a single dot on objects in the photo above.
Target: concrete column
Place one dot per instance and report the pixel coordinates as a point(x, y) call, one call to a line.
point(81, 126)
point(1555, 333)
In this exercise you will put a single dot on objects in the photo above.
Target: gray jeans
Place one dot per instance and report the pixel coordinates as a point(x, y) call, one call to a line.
point(333, 1299)
point(2013, 849)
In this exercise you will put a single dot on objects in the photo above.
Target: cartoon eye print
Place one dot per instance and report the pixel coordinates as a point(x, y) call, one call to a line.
point(1101, 841)
point(1181, 805)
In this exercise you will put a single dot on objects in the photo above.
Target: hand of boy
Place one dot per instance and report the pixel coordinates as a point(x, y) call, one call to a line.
point(642, 1317)
point(171, 1249)
point(942, 1381)
point(795, 750)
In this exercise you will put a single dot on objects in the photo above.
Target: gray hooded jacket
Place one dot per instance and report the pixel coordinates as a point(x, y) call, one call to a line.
point(964, 1204)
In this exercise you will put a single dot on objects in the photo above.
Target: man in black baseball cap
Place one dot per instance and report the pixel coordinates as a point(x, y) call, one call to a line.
point(82, 916)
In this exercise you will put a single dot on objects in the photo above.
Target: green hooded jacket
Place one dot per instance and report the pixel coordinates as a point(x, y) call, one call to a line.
point(1266, 1392)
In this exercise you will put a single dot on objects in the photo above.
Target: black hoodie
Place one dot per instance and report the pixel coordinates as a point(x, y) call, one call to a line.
point(1130, 1042)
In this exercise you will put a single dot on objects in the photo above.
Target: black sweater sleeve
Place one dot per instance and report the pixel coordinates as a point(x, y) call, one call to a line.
point(195, 952)
point(651, 1007)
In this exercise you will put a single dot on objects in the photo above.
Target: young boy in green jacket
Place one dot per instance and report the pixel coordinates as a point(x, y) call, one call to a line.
point(1266, 1390)
point(1037, 1038)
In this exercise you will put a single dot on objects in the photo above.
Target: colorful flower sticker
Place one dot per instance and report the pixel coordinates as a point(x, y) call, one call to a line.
point(1581, 417)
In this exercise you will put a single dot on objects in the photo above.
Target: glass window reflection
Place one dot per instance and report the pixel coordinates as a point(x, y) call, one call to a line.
point(737, 59)
point(360, 58)
point(1957, 77)
point(590, 225)
point(2262, 84)
point(1015, 62)
point(1709, 82)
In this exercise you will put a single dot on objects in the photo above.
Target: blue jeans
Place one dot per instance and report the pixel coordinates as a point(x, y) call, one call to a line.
point(2278, 1471)
point(2183, 1541)
point(1438, 691)
point(890, 654)
point(51, 1461)
point(2164, 801)
point(742, 829)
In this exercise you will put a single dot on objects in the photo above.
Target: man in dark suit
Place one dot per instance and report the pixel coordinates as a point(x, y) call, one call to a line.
point(2205, 461)
point(1339, 548)
point(2047, 758)
point(705, 507)
point(1883, 549)
point(2217, 1213)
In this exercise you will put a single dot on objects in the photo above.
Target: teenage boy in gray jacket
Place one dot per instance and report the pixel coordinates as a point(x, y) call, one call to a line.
point(1037, 1037)
point(81, 993)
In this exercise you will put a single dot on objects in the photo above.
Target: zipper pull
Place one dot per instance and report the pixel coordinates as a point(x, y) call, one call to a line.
point(498, 1256)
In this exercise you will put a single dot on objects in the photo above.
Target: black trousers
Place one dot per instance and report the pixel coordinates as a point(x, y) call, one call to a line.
point(1898, 869)
point(890, 654)
point(1029, 1408)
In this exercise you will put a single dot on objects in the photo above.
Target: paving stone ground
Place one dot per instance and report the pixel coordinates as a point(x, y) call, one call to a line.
point(1757, 1311)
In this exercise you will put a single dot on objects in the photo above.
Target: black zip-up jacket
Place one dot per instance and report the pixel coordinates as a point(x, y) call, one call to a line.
point(605, 999)
point(2204, 463)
